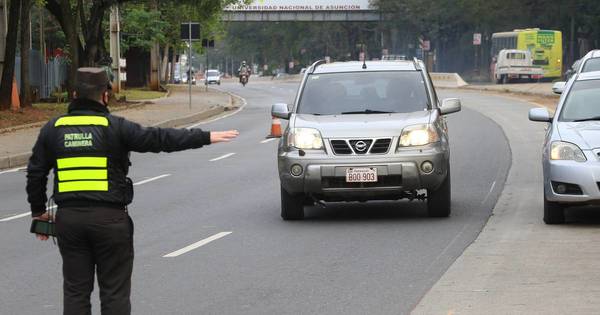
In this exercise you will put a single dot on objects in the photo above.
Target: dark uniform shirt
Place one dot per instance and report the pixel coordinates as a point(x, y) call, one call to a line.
point(89, 151)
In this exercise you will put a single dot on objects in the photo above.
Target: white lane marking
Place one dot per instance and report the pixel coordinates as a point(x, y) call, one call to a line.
point(447, 248)
point(151, 179)
point(197, 244)
point(267, 140)
point(489, 193)
point(244, 103)
point(18, 216)
point(54, 207)
point(222, 157)
point(14, 170)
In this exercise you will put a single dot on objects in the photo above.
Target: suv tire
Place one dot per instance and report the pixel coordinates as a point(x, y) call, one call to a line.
point(292, 206)
point(554, 213)
point(438, 201)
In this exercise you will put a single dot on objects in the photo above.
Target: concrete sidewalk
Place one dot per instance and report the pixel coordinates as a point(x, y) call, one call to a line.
point(519, 265)
point(536, 89)
point(172, 111)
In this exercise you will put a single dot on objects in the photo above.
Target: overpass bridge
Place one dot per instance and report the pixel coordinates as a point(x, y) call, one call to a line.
point(302, 10)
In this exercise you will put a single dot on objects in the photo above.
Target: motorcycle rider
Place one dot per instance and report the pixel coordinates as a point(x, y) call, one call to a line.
point(244, 70)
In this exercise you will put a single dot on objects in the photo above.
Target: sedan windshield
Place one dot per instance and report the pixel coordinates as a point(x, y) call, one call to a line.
point(582, 102)
point(213, 73)
point(591, 65)
point(364, 93)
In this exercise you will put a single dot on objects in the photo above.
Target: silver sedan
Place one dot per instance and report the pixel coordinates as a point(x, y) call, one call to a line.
point(571, 156)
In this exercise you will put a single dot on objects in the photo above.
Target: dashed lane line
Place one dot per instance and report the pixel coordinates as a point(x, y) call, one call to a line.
point(151, 179)
point(14, 170)
point(268, 140)
point(22, 215)
point(222, 157)
point(196, 245)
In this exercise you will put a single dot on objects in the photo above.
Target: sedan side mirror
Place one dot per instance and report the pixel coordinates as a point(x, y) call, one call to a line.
point(539, 114)
point(280, 110)
point(559, 87)
point(450, 105)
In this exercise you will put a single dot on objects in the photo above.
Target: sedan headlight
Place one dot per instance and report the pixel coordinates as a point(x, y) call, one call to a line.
point(418, 135)
point(305, 139)
point(561, 150)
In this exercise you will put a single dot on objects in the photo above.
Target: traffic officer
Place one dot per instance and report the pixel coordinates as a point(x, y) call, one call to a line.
point(88, 148)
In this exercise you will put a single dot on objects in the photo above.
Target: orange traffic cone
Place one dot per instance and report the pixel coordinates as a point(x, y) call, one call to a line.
point(15, 102)
point(275, 128)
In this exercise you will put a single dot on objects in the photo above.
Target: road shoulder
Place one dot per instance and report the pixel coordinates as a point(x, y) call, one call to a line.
point(518, 265)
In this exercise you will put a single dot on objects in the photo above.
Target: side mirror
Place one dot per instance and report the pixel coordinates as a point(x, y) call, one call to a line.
point(559, 87)
point(450, 105)
point(539, 114)
point(280, 110)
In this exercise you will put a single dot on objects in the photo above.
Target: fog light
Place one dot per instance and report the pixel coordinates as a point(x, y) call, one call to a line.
point(561, 188)
point(297, 170)
point(427, 167)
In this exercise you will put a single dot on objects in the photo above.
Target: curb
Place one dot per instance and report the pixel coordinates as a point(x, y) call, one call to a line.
point(21, 159)
point(507, 91)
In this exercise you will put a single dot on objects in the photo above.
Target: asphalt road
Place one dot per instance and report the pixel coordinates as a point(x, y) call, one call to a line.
point(373, 258)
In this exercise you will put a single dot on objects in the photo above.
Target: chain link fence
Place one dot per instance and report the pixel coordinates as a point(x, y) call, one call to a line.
point(46, 76)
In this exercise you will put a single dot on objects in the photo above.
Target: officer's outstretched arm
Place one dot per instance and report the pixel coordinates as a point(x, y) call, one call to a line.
point(149, 139)
point(40, 164)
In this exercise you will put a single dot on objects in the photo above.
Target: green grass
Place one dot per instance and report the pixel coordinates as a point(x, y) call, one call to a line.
point(140, 94)
point(59, 107)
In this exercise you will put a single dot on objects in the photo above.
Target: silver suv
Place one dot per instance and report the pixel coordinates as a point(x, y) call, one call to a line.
point(365, 131)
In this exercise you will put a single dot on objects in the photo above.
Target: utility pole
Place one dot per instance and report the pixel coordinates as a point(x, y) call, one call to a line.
point(115, 49)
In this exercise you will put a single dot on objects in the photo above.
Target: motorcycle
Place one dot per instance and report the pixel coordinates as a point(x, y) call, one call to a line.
point(244, 79)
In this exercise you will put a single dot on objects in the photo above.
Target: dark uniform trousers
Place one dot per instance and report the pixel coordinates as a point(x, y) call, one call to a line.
point(95, 239)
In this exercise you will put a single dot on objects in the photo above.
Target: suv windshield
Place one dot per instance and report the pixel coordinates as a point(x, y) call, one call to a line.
point(591, 65)
point(580, 104)
point(364, 93)
point(213, 73)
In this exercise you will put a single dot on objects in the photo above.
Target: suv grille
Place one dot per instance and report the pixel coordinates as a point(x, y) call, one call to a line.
point(361, 146)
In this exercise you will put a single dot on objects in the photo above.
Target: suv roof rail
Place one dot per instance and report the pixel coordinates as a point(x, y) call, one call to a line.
point(317, 63)
point(417, 64)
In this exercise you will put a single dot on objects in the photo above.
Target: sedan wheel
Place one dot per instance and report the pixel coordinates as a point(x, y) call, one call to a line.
point(554, 213)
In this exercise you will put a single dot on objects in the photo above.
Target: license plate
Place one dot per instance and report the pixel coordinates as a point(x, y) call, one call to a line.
point(361, 175)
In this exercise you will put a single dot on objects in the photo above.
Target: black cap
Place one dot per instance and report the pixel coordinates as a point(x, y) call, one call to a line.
point(93, 78)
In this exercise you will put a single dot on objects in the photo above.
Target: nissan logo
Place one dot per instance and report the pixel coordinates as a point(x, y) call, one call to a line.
point(360, 146)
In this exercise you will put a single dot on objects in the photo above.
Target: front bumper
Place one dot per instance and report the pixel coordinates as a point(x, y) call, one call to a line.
point(586, 175)
point(324, 176)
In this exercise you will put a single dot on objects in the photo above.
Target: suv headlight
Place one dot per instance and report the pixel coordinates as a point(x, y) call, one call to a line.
point(561, 150)
point(305, 139)
point(418, 135)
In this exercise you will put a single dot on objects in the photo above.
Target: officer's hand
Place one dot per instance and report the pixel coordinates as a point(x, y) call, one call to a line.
point(43, 217)
point(223, 136)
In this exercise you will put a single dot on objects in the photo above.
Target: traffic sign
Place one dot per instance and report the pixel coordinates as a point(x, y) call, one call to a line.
point(195, 31)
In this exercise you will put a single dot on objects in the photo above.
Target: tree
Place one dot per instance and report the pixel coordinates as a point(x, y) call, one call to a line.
point(26, 6)
point(8, 70)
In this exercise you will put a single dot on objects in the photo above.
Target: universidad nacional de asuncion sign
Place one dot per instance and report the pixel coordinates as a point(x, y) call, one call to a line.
point(302, 5)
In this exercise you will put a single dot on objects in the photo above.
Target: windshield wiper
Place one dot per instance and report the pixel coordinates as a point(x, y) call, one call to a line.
point(587, 119)
point(367, 111)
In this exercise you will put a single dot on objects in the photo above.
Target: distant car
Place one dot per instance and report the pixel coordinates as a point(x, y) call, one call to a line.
point(571, 155)
point(212, 77)
point(360, 132)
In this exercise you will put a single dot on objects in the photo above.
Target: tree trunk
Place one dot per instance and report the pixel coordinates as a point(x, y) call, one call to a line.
point(70, 29)
point(173, 61)
point(165, 62)
point(8, 71)
point(25, 49)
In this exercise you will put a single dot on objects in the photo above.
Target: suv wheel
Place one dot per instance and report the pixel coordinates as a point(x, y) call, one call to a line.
point(554, 213)
point(292, 206)
point(438, 201)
